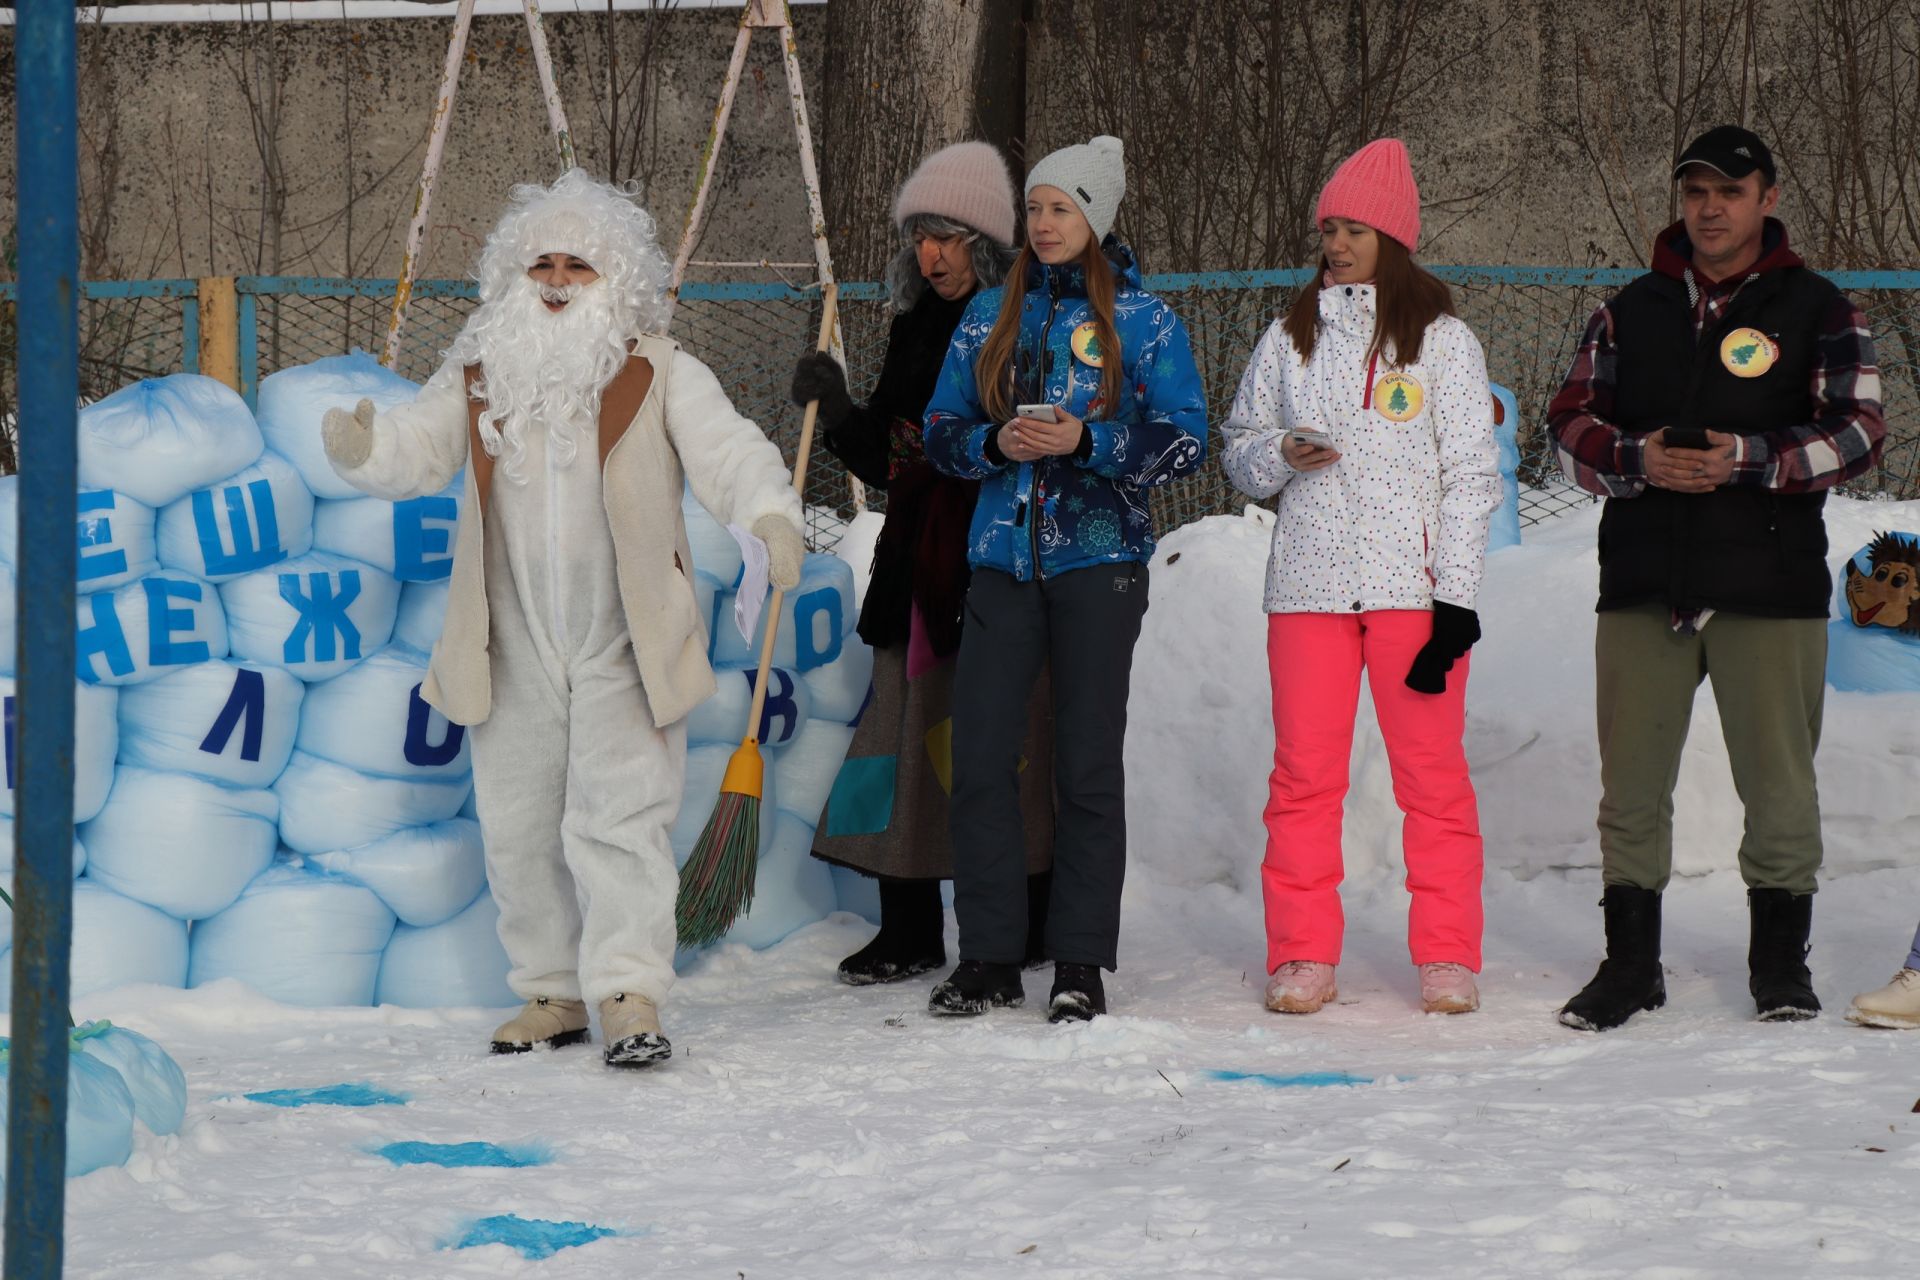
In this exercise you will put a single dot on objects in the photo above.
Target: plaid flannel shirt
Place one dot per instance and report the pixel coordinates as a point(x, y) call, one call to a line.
point(1842, 440)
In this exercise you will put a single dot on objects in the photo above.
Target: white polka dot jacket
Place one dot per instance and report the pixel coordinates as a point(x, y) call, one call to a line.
point(1401, 519)
point(1059, 514)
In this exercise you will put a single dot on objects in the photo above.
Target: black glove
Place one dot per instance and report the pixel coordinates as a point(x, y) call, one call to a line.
point(1454, 632)
point(818, 376)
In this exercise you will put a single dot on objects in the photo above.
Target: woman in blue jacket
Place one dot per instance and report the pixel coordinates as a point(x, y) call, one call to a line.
point(1068, 399)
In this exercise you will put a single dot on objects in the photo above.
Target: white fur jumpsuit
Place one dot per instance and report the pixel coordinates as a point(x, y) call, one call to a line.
point(577, 786)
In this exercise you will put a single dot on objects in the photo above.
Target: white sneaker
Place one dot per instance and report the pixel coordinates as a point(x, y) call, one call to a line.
point(1895, 1005)
point(1301, 986)
point(1446, 987)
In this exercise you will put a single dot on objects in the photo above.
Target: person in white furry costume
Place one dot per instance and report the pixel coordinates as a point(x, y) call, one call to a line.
point(572, 644)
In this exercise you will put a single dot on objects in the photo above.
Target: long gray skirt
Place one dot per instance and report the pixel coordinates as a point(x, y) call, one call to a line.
point(887, 815)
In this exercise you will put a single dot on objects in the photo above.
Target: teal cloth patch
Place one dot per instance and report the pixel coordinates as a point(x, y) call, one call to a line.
point(464, 1155)
point(862, 799)
point(333, 1095)
point(534, 1238)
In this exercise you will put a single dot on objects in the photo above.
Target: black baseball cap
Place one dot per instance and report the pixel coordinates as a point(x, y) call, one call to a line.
point(1731, 150)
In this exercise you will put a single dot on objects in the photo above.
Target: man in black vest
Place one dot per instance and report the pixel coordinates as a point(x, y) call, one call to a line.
point(1713, 402)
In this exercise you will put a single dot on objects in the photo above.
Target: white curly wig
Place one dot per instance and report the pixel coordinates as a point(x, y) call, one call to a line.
point(550, 369)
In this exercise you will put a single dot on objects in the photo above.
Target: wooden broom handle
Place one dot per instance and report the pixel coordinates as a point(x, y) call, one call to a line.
point(828, 315)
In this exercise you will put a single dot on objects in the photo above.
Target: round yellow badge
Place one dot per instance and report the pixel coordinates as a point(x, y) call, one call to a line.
point(1397, 397)
point(1748, 353)
point(1086, 345)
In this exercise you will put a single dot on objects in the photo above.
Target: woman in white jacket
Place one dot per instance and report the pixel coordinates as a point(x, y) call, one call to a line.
point(1366, 408)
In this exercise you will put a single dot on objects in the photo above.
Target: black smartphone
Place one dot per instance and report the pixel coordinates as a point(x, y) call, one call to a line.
point(1687, 438)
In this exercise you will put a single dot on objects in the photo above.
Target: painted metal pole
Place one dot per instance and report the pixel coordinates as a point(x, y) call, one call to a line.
point(710, 158)
point(47, 161)
point(219, 330)
point(556, 111)
point(423, 194)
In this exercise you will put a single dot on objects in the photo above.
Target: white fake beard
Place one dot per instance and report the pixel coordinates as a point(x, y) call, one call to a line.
point(545, 370)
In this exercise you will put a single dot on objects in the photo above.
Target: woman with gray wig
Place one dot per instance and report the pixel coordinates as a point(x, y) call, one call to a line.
point(887, 816)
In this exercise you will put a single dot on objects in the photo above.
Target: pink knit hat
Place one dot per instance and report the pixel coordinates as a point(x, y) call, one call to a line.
point(966, 182)
point(1374, 185)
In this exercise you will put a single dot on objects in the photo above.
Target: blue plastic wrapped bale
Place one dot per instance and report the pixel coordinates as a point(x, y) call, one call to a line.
point(251, 520)
point(425, 875)
point(180, 843)
point(792, 888)
point(412, 540)
point(715, 552)
point(293, 401)
point(117, 941)
point(817, 616)
point(723, 717)
point(326, 807)
point(161, 438)
point(316, 615)
point(841, 687)
point(1505, 528)
point(1873, 644)
point(232, 722)
point(9, 618)
point(99, 1113)
point(116, 540)
point(458, 964)
point(146, 629)
point(96, 740)
point(297, 935)
point(373, 719)
point(808, 768)
point(857, 893)
point(152, 1077)
point(423, 610)
point(705, 767)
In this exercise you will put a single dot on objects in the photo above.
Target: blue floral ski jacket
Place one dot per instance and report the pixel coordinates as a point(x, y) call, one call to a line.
point(1057, 514)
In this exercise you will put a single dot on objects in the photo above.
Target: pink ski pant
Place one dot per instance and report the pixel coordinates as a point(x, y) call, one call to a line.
point(1315, 660)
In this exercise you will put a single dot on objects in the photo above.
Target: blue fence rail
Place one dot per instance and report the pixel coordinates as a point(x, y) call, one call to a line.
point(1529, 319)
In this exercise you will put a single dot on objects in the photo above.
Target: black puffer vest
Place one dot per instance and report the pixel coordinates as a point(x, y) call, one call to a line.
point(1740, 549)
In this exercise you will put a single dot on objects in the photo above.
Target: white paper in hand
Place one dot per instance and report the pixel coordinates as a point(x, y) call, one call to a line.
point(752, 595)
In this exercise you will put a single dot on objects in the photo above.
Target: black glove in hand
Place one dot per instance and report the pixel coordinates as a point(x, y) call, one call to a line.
point(818, 376)
point(1455, 630)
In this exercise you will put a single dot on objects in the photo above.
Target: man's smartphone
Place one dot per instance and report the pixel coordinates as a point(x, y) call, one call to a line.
point(1686, 438)
point(1313, 439)
point(1038, 412)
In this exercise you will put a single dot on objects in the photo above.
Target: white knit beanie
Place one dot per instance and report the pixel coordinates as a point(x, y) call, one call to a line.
point(966, 183)
point(1092, 174)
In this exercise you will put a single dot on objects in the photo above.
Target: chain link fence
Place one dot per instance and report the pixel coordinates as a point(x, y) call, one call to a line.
point(1529, 320)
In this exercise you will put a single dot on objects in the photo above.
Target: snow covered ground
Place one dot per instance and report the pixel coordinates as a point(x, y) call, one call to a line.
point(809, 1130)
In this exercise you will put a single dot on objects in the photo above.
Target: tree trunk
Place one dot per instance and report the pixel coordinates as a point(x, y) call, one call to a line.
point(904, 78)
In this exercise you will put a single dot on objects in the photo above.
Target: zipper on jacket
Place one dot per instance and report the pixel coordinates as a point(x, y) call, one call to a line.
point(1036, 492)
point(553, 548)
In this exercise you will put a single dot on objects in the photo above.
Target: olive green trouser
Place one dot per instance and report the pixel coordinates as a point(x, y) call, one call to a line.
point(1769, 680)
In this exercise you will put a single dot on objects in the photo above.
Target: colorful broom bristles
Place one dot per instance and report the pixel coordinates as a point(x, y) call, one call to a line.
point(716, 885)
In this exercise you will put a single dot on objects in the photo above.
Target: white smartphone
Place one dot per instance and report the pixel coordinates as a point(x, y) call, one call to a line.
point(1317, 439)
point(1038, 412)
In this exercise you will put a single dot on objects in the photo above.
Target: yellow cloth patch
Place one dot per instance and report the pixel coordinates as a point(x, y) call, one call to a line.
point(1748, 353)
point(1397, 397)
point(1086, 345)
point(939, 742)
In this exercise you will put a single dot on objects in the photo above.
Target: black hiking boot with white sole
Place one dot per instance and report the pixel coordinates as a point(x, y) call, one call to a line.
point(1078, 995)
point(976, 986)
point(909, 942)
point(1777, 973)
point(1630, 979)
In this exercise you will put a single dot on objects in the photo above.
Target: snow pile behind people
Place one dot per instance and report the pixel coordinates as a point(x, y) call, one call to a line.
point(261, 791)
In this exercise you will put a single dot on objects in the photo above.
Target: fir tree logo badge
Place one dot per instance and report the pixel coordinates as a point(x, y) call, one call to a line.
point(1748, 353)
point(1086, 345)
point(1398, 397)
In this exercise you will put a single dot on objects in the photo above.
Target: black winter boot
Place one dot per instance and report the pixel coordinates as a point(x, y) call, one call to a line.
point(1039, 896)
point(976, 986)
point(1630, 978)
point(1077, 993)
point(1777, 972)
point(909, 942)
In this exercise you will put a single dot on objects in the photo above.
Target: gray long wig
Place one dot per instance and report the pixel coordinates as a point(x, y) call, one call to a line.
point(905, 284)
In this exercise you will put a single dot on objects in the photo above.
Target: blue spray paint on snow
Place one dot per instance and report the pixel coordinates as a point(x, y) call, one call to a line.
point(533, 1237)
point(464, 1155)
point(1301, 1080)
point(332, 1095)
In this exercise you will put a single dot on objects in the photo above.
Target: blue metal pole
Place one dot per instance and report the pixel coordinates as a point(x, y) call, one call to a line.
point(47, 161)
